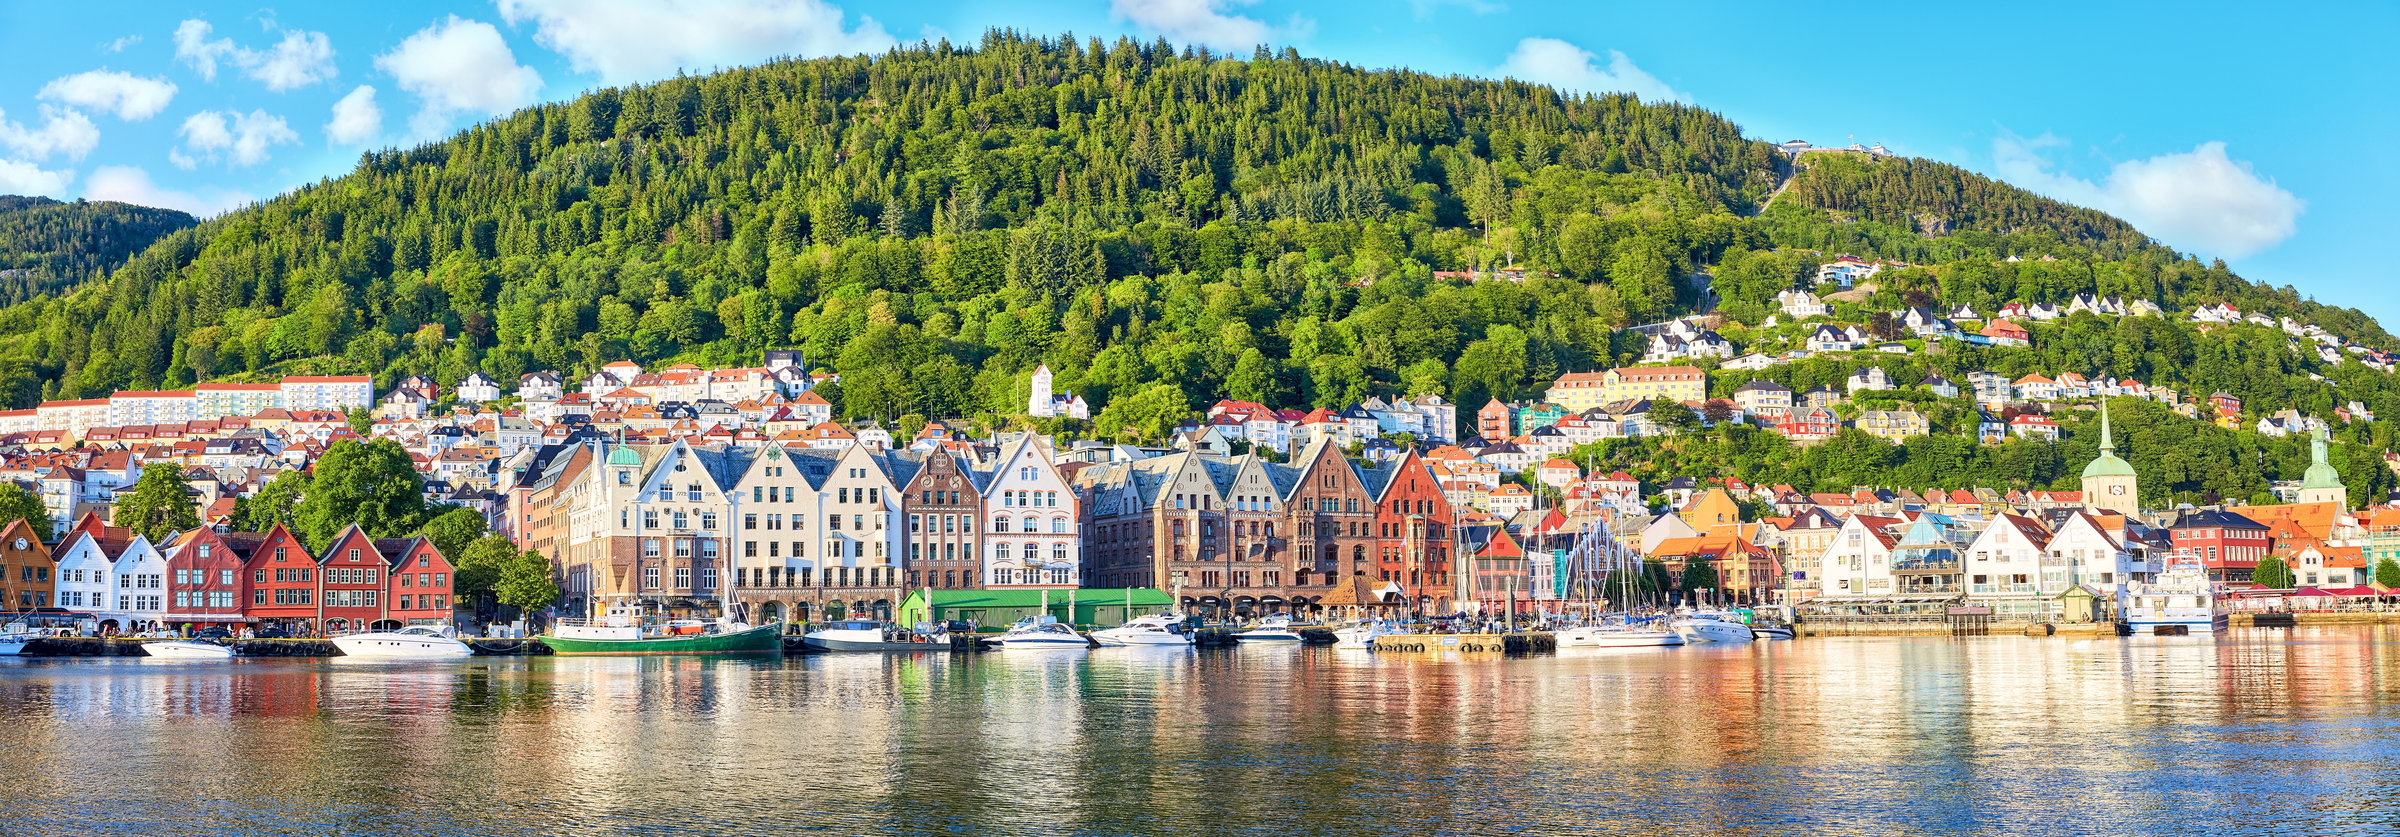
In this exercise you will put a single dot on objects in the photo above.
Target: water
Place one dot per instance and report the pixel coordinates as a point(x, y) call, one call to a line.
point(2263, 731)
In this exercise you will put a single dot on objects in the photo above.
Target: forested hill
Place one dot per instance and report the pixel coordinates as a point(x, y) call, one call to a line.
point(1939, 198)
point(1160, 226)
point(45, 243)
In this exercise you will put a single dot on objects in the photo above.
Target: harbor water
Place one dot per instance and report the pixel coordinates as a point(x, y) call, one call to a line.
point(2257, 731)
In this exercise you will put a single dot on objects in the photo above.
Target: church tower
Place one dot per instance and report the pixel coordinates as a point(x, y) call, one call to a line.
point(2321, 483)
point(1040, 405)
point(2109, 483)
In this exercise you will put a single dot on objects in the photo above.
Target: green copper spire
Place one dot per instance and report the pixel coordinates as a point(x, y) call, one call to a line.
point(2107, 464)
point(2320, 473)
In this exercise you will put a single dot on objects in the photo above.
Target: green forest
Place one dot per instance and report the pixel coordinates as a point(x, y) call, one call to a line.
point(45, 244)
point(1161, 226)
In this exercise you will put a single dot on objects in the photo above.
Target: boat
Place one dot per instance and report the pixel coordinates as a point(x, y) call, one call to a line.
point(1163, 629)
point(1270, 629)
point(1712, 626)
point(870, 635)
point(412, 642)
point(1617, 636)
point(1362, 634)
point(12, 644)
point(623, 629)
point(1038, 633)
point(2180, 597)
point(188, 649)
point(1771, 631)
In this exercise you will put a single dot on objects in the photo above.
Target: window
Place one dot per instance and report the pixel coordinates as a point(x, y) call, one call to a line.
point(683, 547)
point(1000, 524)
point(683, 578)
point(708, 521)
point(650, 548)
point(680, 522)
point(833, 521)
point(749, 521)
point(279, 553)
point(708, 578)
point(650, 578)
point(1058, 526)
point(225, 577)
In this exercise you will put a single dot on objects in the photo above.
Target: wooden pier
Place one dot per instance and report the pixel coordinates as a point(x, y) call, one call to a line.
point(1516, 643)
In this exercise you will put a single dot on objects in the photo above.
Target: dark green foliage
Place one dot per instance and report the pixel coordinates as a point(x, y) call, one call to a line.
point(160, 505)
point(2273, 572)
point(374, 485)
point(45, 244)
point(16, 503)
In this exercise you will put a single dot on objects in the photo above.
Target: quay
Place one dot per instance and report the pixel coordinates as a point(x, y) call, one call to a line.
point(1510, 643)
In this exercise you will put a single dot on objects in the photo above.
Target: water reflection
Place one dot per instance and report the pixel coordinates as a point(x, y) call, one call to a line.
point(2272, 729)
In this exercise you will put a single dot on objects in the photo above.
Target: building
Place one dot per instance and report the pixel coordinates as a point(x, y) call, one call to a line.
point(1579, 391)
point(1765, 399)
point(943, 505)
point(1034, 539)
point(1676, 383)
point(1893, 425)
point(2109, 484)
point(221, 400)
point(2321, 483)
point(283, 583)
point(327, 392)
point(478, 388)
point(26, 567)
point(419, 590)
point(1043, 403)
point(1413, 520)
point(208, 584)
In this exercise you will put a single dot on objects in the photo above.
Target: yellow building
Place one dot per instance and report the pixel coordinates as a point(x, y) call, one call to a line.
point(1672, 383)
point(1895, 425)
point(1579, 391)
point(1712, 511)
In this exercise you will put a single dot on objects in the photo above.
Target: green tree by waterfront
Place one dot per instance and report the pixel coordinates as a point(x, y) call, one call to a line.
point(276, 502)
point(2272, 572)
point(16, 503)
point(480, 565)
point(451, 531)
point(160, 505)
point(526, 582)
point(2387, 573)
point(374, 484)
point(1698, 575)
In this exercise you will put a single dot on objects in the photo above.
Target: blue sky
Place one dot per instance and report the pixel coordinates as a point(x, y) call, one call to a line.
point(2253, 133)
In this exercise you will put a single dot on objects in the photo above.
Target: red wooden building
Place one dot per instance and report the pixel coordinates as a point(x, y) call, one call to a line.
point(205, 582)
point(419, 592)
point(1413, 519)
point(351, 582)
point(283, 582)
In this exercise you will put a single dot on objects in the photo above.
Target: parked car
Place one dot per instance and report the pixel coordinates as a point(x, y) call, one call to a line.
point(270, 633)
point(212, 633)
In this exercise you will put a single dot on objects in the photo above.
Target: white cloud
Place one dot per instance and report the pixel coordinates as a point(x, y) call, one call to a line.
point(120, 44)
point(356, 118)
point(299, 60)
point(130, 96)
point(1205, 22)
point(133, 185)
point(64, 131)
point(633, 40)
point(246, 135)
point(2200, 200)
point(456, 66)
point(18, 177)
point(1577, 70)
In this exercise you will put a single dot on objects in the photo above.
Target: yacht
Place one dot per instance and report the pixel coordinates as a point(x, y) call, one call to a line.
point(2180, 596)
point(1764, 631)
point(1270, 629)
point(187, 649)
point(1617, 636)
point(415, 641)
point(1040, 632)
point(13, 644)
point(1712, 626)
point(1164, 629)
point(870, 635)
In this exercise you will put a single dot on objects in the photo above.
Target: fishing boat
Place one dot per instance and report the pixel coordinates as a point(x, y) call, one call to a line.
point(1617, 636)
point(1040, 633)
point(1712, 626)
point(870, 635)
point(187, 649)
point(623, 629)
point(1163, 629)
point(1270, 629)
point(2181, 596)
point(413, 642)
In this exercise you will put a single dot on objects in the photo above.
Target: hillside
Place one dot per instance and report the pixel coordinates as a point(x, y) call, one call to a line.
point(935, 222)
point(45, 243)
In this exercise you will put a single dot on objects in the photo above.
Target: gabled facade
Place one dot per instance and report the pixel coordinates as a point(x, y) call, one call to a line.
point(420, 591)
point(283, 582)
point(1413, 519)
point(207, 584)
point(26, 580)
point(944, 508)
point(351, 576)
point(1033, 539)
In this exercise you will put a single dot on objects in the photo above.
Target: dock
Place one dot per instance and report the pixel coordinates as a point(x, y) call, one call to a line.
point(1511, 643)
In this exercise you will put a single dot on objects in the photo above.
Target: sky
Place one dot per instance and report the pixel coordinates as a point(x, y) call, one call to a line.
point(2255, 133)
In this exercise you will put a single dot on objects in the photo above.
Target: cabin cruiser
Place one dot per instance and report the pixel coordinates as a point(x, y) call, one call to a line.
point(1163, 629)
point(2181, 596)
point(1712, 626)
point(1617, 636)
point(188, 649)
point(1362, 634)
point(870, 635)
point(1270, 629)
point(1039, 632)
point(1771, 631)
point(417, 641)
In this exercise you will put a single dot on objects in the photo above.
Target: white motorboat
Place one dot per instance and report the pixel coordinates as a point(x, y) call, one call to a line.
point(1362, 634)
point(870, 635)
point(420, 641)
point(1040, 632)
point(1617, 636)
point(1165, 629)
point(14, 644)
point(1712, 626)
point(2180, 597)
point(187, 649)
point(1270, 629)
point(1771, 632)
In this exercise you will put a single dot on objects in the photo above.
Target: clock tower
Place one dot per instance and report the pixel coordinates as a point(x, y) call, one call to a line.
point(2109, 484)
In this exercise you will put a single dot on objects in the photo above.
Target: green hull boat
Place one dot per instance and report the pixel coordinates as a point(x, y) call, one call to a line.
point(759, 640)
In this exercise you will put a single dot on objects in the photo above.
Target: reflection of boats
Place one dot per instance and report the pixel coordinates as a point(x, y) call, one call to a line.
point(1617, 636)
point(1040, 632)
point(2180, 596)
point(186, 649)
point(1712, 626)
point(870, 635)
point(1270, 629)
point(1164, 629)
point(413, 641)
point(622, 629)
